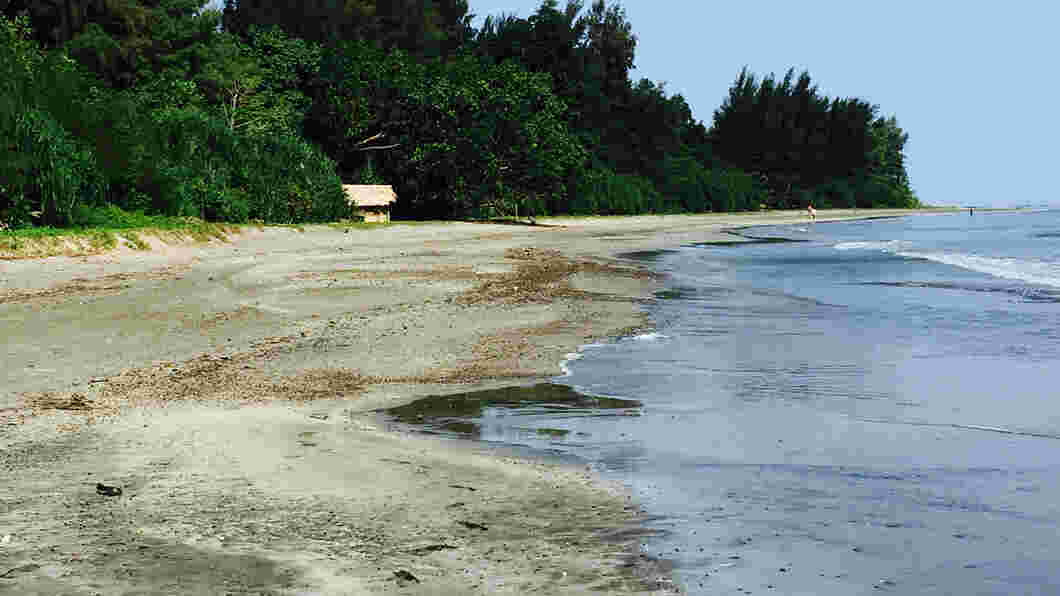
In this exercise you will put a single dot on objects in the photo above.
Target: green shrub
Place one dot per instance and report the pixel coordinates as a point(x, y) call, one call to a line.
point(45, 169)
point(602, 191)
point(286, 180)
point(734, 190)
point(105, 216)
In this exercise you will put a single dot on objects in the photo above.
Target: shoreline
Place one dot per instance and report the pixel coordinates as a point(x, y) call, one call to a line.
point(224, 388)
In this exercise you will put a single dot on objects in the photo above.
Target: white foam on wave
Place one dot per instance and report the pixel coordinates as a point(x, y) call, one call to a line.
point(1035, 272)
point(653, 336)
point(573, 356)
point(888, 245)
point(567, 359)
point(1025, 270)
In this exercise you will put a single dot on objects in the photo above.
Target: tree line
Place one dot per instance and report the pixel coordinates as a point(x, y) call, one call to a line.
point(262, 110)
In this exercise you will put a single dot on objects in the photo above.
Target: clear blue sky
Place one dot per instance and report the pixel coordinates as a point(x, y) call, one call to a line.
point(973, 83)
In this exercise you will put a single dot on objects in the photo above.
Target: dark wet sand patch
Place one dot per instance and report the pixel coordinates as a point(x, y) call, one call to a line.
point(748, 239)
point(458, 413)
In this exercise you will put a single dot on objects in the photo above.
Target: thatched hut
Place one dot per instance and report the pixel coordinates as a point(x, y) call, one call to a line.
point(370, 201)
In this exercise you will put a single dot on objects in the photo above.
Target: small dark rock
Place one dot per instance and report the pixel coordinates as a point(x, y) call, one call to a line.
point(431, 548)
point(108, 491)
point(403, 575)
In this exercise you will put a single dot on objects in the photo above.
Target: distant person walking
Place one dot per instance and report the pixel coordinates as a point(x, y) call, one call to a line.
point(811, 212)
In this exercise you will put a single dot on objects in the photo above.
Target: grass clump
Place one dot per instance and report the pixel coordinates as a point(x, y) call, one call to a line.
point(99, 229)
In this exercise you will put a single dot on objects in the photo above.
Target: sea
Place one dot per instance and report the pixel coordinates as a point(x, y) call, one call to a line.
point(828, 408)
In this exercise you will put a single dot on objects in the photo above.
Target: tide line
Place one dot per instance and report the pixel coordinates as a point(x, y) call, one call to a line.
point(978, 427)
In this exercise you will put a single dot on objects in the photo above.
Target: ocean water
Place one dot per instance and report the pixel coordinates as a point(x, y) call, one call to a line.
point(872, 406)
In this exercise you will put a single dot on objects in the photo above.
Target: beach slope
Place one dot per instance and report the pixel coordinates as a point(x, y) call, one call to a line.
point(228, 390)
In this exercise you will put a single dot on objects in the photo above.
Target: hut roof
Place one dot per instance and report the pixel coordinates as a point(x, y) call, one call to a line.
point(369, 195)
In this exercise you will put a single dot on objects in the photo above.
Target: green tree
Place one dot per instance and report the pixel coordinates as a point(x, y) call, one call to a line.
point(468, 139)
point(44, 168)
point(423, 28)
point(799, 141)
point(133, 39)
point(234, 80)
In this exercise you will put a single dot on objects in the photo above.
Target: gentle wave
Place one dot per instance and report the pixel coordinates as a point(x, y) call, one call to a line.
point(1036, 272)
point(1029, 294)
point(567, 359)
point(889, 245)
point(958, 426)
point(653, 336)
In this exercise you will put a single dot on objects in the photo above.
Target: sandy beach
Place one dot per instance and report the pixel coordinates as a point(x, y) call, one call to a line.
point(228, 390)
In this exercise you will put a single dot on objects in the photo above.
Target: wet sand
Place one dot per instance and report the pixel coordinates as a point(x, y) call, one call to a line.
point(227, 390)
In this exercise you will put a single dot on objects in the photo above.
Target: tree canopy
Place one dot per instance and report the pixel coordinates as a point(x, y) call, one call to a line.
point(263, 109)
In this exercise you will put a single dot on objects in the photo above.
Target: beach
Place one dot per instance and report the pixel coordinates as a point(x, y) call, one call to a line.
point(229, 390)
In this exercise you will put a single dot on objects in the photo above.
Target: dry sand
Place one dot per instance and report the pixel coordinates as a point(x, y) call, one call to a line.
point(227, 389)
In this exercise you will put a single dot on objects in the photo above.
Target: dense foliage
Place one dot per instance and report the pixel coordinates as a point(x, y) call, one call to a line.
point(164, 107)
point(470, 139)
point(804, 144)
point(171, 136)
